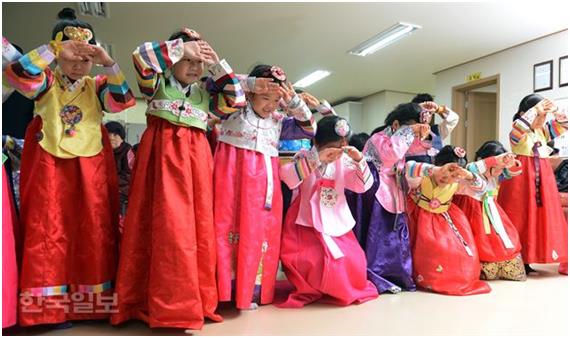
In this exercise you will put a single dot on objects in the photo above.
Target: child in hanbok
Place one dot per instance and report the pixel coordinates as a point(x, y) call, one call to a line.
point(381, 221)
point(320, 254)
point(248, 201)
point(167, 269)
point(69, 206)
point(444, 253)
point(495, 235)
point(531, 199)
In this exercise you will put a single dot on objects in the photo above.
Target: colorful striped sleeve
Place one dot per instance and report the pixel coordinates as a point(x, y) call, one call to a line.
point(418, 169)
point(303, 165)
point(247, 83)
point(299, 110)
point(30, 75)
point(511, 172)
point(226, 93)
point(113, 91)
point(153, 58)
point(325, 108)
point(522, 126)
point(415, 172)
point(556, 128)
point(481, 166)
point(300, 123)
point(358, 178)
point(9, 54)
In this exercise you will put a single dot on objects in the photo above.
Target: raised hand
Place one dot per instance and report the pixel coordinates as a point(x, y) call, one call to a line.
point(429, 105)
point(72, 50)
point(560, 115)
point(421, 131)
point(192, 50)
point(208, 54)
point(310, 100)
point(506, 160)
point(265, 85)
point(287, 92)
point(461, 174)
point(445, 173)
point(99, 56)
point(329, 155)
point(354, 153)
point(545, 106)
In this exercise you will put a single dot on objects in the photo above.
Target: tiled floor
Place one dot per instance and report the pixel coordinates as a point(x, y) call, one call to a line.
point(538, 306)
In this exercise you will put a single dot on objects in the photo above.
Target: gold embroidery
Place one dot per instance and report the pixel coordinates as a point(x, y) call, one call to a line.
point(512, 269)
point(233, 238)
point(259, 275)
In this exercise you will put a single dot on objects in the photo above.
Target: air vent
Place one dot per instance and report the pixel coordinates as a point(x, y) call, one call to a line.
point(98, 9)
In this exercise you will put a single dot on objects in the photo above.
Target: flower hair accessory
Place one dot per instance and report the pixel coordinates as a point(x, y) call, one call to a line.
point(278, 73)
point(342, 128)
point(56, 44)
point(460, 152)
point(192, 34)
point(78, 33)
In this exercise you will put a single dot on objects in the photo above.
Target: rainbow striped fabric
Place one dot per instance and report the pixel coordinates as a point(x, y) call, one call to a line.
point(59, 290)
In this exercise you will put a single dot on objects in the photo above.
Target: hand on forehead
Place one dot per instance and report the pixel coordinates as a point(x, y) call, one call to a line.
point(192, 50)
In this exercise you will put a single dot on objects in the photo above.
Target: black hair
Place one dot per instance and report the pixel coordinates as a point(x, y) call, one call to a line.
point(18, 48)
point(264, 71)
point(377, 130)
point(404, 113)
point(114, 127)
point(527, 102)
point(490, 148)
point(358, 140)
point(422, 97)
point(326, 132)
point(182, 35)
point(66, 17)
point(447, 155)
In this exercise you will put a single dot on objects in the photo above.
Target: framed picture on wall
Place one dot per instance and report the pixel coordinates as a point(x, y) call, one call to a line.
point(543, 76)
point(563, 71)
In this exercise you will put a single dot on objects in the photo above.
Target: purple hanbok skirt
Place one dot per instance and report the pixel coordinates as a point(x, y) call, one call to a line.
point(384, 236)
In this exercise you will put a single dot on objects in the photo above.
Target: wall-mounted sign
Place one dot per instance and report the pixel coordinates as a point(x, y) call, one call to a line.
point(474, 76)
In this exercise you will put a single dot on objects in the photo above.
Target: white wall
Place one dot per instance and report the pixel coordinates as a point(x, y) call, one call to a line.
point(352, 112)
point(371, 111)
point(515, 67)
point(377, 106)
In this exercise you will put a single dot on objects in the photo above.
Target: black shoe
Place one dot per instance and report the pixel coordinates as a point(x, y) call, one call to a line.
point(529, 270)
point(61, 326)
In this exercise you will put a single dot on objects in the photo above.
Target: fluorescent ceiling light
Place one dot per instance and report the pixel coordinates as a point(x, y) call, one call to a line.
point(308, 80)
point(384, 39)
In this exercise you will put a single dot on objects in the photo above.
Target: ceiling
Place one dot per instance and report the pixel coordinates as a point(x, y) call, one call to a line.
point(303, 37)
